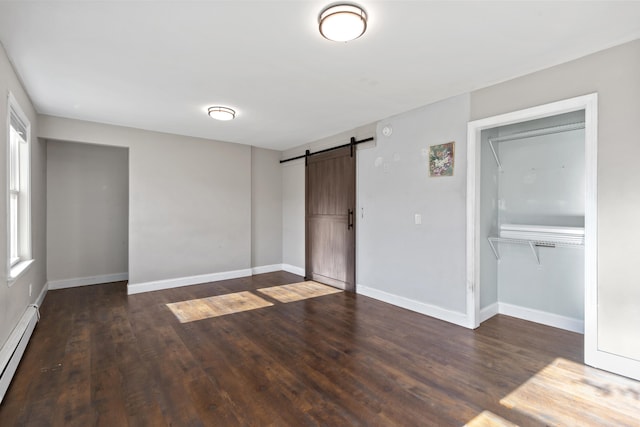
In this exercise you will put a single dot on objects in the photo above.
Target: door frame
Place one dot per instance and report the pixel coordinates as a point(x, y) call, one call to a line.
point(589, 103)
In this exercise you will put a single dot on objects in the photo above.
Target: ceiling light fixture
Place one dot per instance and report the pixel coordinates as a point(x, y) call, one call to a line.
point(342, 22)
point(222, 113)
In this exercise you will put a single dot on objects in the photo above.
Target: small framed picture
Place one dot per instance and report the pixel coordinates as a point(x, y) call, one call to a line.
point(441, 159)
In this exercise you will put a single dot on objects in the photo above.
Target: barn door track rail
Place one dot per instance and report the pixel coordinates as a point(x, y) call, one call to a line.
point(308, 154)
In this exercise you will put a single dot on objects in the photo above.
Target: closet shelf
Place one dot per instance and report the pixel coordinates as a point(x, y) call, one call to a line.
point(533, 244)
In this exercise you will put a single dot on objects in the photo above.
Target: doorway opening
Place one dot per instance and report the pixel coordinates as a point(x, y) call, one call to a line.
point(496, 216)
point(532, 206)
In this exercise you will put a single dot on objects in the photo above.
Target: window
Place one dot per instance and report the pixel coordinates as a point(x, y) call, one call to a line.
point(19, 212)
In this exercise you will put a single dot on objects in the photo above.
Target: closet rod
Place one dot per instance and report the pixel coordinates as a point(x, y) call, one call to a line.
point(539, 132)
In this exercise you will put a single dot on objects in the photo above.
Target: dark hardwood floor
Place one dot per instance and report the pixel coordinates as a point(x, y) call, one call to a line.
point(98, 357)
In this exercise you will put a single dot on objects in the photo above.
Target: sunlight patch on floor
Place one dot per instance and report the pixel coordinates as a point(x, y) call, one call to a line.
point(489, 419)
point(205, 308)
point(298, 291)
point(569, 393)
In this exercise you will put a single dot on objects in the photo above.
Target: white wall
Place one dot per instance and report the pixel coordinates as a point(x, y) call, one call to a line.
point(613, 74)
point(189, 202)
point(424, 264)
point(87, 212)
point(15, 299)
point(266, 208)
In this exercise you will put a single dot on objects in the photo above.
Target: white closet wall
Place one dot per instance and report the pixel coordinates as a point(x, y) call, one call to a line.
point(489, 175)
point(540, 181)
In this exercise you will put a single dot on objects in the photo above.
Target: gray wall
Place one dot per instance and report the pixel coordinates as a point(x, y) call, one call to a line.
point(397, 259)
point(14, 299)
point(424, 263)
point(189, 199)
point(266, 207)
point(293, 214)
point(613, 74)
point(489, 174)
point(543, 177)
point(87, 210)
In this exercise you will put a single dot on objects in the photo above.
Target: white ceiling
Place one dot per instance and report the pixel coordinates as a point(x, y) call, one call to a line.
point(159, 65)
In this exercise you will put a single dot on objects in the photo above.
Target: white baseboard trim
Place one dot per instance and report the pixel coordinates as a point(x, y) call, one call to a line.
point(537, 316)
point(85, 281)
point(613, 363)
point(136, 288)
point(489, 311)
point(293, 269)
point(417, 306)
point(41, 295)
point(266, 269)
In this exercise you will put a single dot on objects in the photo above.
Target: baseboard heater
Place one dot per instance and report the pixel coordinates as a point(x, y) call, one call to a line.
point(13, 349)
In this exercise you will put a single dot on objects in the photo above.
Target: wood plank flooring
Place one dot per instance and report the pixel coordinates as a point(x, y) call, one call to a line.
point(98, 357)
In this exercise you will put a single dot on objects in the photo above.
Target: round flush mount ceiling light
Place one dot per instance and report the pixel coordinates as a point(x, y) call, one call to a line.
point(222, 113)
point(342, 22)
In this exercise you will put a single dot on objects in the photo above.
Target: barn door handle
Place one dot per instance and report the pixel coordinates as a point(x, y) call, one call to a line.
point(349, 219)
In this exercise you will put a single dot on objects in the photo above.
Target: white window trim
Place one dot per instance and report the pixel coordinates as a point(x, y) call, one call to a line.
point(16, 268)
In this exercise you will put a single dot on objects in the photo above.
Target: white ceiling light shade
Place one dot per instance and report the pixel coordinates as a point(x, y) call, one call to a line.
point(342, 22)
point(222, 113)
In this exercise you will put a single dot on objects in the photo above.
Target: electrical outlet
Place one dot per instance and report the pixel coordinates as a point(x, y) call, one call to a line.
point(418, 219)
point(30, 289)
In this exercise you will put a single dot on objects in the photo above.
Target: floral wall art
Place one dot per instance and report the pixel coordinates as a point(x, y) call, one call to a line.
point(441, 159)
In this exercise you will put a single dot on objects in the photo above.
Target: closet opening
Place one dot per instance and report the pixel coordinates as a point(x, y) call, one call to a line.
point(532, 206)
point(531, 217)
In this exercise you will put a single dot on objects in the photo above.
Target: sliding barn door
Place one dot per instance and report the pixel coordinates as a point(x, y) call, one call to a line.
point(330, 229)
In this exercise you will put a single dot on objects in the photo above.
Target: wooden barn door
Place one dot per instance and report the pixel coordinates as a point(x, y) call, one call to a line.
point(330, 230)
